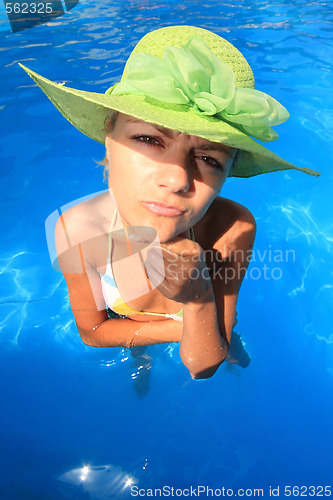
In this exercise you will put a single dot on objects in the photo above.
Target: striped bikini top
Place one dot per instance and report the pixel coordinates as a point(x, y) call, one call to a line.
point(111, 294)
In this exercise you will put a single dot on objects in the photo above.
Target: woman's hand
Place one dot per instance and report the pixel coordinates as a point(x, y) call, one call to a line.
point(178, 270)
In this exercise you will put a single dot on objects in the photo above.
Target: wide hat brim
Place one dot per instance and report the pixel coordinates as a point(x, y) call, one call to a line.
point(87, 111)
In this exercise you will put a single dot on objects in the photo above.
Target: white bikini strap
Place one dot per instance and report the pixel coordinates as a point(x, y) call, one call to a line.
point(113, 220)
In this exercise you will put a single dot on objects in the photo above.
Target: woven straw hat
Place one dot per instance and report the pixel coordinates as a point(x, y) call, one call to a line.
point(190, 80)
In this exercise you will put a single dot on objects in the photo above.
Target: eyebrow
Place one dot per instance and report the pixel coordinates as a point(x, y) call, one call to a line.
point(216, 147)
point(169, 133)
point(161, 129)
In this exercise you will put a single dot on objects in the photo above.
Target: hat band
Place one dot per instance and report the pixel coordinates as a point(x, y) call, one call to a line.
point(194, 75)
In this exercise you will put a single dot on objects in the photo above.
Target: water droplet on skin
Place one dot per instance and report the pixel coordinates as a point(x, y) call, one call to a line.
point(97, 326)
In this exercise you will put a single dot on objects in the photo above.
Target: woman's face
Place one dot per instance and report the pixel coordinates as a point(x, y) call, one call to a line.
point(162, 178)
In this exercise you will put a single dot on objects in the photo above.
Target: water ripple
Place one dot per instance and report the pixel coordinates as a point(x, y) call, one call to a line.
point(22, 278)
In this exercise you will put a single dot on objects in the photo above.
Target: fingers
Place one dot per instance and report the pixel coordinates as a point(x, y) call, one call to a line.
point(155, 260)
point(156, 273)
point(154, 266)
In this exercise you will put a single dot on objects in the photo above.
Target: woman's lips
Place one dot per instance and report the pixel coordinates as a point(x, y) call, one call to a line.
point(162, 209)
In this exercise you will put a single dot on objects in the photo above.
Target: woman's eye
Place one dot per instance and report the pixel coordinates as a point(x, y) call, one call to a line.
point(147, 140)
point(211, 161)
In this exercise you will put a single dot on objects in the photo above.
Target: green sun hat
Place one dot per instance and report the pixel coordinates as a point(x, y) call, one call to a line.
point(190, 80)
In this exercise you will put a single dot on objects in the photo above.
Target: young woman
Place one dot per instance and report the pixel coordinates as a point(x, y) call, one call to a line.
point(161, 248)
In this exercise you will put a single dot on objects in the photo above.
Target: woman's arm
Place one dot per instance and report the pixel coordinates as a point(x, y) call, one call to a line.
point(208, 325)
point(209, 299)
point(129, 333)
point(86, 297)
point(98, 331)
point(202, 347)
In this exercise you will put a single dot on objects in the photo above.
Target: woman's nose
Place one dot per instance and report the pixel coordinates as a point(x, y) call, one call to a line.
point(174, 175)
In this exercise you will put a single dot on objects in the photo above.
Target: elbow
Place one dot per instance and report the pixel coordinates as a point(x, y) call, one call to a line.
point(201, 369)
point(206, 373)
point(88, 338)
point(202, 373)
point(98, 338)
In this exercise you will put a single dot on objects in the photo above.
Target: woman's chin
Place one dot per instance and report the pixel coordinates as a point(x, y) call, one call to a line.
point(165, 236)
point(163, 230)
point(143, 234)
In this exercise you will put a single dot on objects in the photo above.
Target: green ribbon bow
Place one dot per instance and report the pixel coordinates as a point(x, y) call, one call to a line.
point(195, 75)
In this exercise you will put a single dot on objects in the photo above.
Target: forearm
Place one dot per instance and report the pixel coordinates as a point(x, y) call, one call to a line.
point(128, 333)
point(202, 348)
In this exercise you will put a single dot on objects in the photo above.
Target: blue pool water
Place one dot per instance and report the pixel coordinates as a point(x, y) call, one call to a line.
point(74, 423)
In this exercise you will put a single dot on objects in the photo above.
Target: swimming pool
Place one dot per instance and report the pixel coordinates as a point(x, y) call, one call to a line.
point(80, 422)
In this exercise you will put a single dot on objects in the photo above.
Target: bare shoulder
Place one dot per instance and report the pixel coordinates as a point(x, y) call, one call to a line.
point(236, 213)
point(228, 224)
point(83, 221)
point(81, 234)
